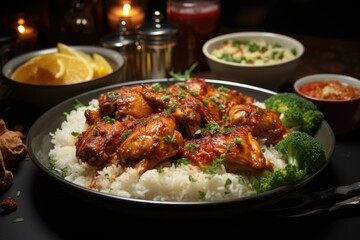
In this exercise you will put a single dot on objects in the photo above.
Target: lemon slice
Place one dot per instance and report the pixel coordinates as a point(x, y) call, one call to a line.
point(53, 68)
point(66, 49)
point(102, 66)
point(75, 69)
point(97, 62)
point(44, 69)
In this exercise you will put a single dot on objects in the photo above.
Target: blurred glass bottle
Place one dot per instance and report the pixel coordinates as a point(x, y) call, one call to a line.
point(78, 27)
point(8, 45)
point(198, 21)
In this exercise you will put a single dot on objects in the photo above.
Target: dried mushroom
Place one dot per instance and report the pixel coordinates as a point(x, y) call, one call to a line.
point(11, 145)
point(8, 205)
point(12, 149)
point(6, 177)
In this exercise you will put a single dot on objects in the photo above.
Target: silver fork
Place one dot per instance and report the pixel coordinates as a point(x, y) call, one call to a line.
point(327, 201)
point(348, 203)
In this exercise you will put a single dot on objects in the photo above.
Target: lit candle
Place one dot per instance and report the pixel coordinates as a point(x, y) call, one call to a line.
point(133, 16)
point(27, 34)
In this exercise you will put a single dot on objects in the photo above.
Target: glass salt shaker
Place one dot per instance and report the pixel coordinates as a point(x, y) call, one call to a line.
point(155, 42)
point(124, 42)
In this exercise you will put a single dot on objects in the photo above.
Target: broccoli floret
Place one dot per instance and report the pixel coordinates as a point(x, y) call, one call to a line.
point(295, 112)
point(311, 120)
point(302, 150)
point(304, 154)
point(278, 178)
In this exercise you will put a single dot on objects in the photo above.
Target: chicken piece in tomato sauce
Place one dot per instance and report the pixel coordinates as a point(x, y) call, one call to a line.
point(261, 122)
point(151, 142)
point(236, 149)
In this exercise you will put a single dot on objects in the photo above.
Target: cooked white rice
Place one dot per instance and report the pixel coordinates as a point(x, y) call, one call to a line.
point(174, 183)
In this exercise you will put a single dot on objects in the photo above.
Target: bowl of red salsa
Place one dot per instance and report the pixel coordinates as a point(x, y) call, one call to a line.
point(336, 95)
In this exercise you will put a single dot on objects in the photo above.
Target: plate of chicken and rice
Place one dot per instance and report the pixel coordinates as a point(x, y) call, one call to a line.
point(163, 145)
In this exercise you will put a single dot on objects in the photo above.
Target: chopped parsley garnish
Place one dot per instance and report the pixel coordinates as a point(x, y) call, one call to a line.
point(165, 98)
point(192, 179)
point(190, 147)
point(217, 162)
point(157, 87)
point(75, 134)
point(170, 109)
point(143, 122)
point(237, 140)
point(217, 103)
point(64, 172)
point(52, 163)
point(184, 161)
point(202, 195)
point(113, 94)
point(223, 89)
point(194, 93)
point(259, 110)
point(227, 185)
point(78, 104)
point(108, 119)
point(180, 94)
point(125, 134)
point(214, 128)
point(168, 139)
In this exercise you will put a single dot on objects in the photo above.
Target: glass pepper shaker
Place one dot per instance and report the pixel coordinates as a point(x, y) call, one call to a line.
point(124, 42)
point(155, 42)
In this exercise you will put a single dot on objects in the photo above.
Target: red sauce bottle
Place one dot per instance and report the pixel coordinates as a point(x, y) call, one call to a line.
point(197, 21)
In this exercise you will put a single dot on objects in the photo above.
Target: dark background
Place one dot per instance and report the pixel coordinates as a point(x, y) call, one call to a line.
point(335, 19)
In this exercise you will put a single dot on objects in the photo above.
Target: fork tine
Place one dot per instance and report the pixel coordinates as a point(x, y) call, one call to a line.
point(331, 208)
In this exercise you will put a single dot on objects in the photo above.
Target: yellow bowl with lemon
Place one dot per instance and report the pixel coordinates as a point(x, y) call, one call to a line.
point(49, 76)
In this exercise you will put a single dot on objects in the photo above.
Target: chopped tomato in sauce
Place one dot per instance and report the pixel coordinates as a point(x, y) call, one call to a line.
point(330, 89)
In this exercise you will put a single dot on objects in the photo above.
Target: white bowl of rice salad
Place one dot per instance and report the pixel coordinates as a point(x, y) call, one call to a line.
point(261, 59)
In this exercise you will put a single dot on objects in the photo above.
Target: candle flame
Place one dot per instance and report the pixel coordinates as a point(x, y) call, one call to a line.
point(126, 9)
point(21, 21)
point(21, 29)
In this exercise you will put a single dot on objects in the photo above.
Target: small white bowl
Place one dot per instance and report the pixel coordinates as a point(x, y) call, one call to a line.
point(342, 115)
point(270, 76)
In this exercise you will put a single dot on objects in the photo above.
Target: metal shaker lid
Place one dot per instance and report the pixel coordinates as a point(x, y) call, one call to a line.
point(158, 30)
point(121, 40)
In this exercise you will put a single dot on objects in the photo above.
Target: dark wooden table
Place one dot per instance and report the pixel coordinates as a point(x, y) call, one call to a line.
point(50, 212)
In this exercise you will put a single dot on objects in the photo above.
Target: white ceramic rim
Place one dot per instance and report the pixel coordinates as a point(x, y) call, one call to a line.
point(326, 76)
point(238, 35)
